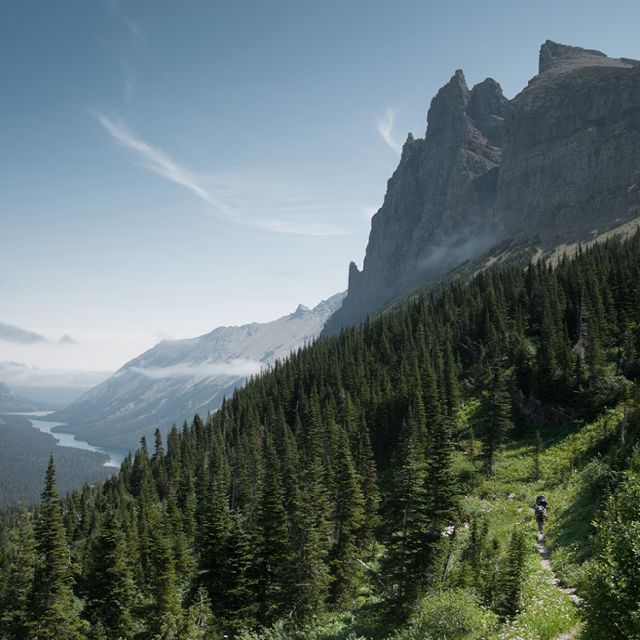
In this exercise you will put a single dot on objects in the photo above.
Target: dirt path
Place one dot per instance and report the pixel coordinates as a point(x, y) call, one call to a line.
point(545, 561)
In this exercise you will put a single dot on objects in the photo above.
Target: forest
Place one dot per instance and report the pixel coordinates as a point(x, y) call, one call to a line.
point(375, 484)
point(23, 455)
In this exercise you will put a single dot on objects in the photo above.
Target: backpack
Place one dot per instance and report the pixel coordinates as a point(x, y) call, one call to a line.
point(541, 500)
point(540, 512)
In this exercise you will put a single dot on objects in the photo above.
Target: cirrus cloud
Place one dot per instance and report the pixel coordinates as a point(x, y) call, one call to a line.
point(230, 198)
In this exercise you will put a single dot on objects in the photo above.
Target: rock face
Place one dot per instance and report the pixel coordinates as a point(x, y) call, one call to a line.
point(558, 163)
point(178, 378)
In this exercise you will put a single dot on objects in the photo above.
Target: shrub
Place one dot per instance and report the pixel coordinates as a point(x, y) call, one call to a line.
point(453, 614)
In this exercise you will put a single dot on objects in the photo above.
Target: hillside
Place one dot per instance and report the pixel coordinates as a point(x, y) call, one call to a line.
point(176, 379)
point(11, 403)
point(555, 165)
point(378, 483)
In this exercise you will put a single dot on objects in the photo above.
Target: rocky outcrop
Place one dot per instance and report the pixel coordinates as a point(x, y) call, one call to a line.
point(558, 163)
point(434, 212)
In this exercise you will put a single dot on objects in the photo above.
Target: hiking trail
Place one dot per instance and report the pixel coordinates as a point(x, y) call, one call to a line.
point(545, 561)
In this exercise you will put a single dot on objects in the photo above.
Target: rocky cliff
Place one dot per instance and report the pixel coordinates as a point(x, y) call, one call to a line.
point(558, 163)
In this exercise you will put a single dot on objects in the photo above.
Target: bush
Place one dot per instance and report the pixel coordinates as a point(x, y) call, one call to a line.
point(612, 587)
point(454, 614)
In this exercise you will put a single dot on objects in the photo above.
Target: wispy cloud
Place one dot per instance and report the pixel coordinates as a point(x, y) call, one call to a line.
point(153, 158)
point(18, 335)
point(235, 199)
point(385, 129)
point(134, 29)
point(236, 368)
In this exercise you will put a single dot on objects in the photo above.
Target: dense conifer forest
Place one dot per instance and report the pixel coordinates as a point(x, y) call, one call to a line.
point(23, 454)
point(366, 479)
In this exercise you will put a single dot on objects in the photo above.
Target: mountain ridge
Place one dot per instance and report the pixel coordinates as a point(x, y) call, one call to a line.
point(557, 163)
point(177, 378)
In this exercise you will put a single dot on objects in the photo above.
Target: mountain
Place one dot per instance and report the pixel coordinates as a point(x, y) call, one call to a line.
point(378, 485)
point(11, 403)
point(178, 378)
point(557, 164)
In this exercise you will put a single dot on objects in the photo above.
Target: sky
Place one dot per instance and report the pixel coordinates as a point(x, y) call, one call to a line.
point(170, 167)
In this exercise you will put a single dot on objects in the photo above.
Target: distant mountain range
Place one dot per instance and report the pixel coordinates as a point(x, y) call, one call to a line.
point(179, 378)
point(12, 403)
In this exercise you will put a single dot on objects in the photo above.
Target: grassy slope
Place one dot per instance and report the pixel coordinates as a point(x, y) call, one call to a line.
point(573, 477)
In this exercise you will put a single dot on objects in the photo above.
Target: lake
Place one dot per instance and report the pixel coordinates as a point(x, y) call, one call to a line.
point(115, 456)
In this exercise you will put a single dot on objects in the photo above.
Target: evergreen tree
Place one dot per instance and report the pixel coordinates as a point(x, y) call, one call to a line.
point(14, 619)
point(348, 522)
point(111, 591)
point(409, 547)
point(513, 574)
point(53, 609)
point(166, 611)
point(497, 420)
point(274, 560)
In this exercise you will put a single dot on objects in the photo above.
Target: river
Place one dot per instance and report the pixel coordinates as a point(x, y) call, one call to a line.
point(114, 456)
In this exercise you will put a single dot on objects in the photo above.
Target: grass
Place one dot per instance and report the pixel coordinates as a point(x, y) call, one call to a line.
point(574, 475)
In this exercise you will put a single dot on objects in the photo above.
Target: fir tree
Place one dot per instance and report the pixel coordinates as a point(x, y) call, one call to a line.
point(111, 590)
point(14, 619)
point(53, 609)
point(348, 522)
point(274, 566)
point(497, 420)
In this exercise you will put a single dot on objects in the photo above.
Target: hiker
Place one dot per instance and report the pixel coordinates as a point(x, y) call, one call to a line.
point(540, 511)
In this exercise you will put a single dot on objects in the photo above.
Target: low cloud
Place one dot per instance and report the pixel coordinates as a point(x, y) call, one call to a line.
point(236, 368)
point(385, 129)
point(18, 335)
point(453, 251)
point(21, 375)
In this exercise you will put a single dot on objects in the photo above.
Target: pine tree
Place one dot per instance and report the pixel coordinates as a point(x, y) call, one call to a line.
point(239, 607)
point(14, 619)
point(348, 522)
point(275, 562)
point(410, 546)
point(111, 590)
point(497, 420)
point(53, 609)
point(513, 574)
point(441, 479)
point(166, 612)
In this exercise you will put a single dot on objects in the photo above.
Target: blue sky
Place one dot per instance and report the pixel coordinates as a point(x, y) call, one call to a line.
point(168, 167)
